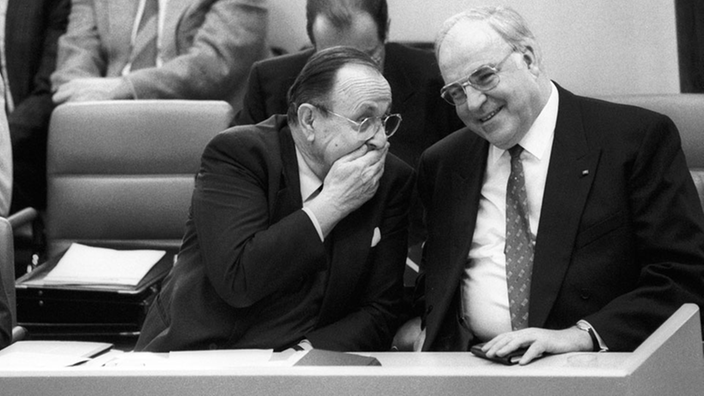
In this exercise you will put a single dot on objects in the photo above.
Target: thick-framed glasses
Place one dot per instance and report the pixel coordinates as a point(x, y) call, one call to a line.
point(370, 125)
point(483, 78)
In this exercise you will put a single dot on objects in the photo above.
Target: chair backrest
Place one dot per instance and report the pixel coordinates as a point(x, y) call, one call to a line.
point(7, 267)
point(120, 174)
point(687, 112)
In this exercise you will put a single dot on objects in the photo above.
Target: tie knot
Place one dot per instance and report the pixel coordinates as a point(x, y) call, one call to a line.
point(515, 151)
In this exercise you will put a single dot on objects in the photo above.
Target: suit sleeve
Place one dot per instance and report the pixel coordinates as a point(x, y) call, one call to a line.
point(668, 241)
point(372, 324)
point(79, 52)
point(252, 110)
point(31, 116)
point(248, 256)
point(231, 38)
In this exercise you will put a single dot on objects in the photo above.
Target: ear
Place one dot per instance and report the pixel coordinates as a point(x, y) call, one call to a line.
point(531, 61)
point(306, 117)
point(388, 27)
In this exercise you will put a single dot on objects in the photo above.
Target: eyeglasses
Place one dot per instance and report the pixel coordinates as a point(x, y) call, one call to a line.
point(483, 79)
point(390, 123)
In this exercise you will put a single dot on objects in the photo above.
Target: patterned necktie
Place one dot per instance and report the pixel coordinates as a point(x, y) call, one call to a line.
point(144, 50)
point(519, 242)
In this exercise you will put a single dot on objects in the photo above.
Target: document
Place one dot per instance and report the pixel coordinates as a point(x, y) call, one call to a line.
point(86, 265)
point(195, 360)
point(23, 355)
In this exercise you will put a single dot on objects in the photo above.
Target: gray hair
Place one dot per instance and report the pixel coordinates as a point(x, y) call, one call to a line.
point(508, 23)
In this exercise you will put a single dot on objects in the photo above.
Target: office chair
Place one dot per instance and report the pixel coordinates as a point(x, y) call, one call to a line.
point(120, 175)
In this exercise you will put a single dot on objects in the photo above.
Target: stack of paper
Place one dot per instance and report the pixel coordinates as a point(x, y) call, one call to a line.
point(85, 265)
point(49, 354)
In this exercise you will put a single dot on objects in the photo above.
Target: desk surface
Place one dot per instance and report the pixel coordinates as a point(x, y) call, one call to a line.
point(669, 362)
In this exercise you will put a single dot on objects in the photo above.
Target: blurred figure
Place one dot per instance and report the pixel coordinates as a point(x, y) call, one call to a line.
point(159, 49)
point(298, 225)
point(31, 31)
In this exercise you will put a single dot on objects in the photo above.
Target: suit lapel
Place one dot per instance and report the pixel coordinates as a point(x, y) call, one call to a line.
point(351, 239)
point(573, 165)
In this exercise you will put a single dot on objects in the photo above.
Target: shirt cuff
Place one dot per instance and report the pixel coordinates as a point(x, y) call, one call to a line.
point(314, 220)
point(304, 345)
point(586, 325)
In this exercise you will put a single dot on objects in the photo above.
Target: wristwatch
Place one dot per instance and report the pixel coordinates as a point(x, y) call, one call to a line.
point(585, 326)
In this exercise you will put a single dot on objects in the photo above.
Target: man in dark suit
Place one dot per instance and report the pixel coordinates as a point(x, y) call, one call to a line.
point(32, 29)
point(604, 213)
point(412, 73)
point(298, 226)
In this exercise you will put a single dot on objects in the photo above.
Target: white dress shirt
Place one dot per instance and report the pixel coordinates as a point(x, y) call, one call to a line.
point(484, 296)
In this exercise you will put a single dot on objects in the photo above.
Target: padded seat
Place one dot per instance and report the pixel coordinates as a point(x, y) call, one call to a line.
point(120, 174)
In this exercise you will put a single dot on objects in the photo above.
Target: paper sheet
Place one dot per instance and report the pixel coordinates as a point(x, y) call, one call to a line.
point(83, 265)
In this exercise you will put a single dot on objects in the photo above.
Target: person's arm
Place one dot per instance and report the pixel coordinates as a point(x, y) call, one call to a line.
point(30, 116)
point(79, 49)
point(248, 255)
point(253, 104)
point(5, 165)
point(5, 319)
point(230, 39)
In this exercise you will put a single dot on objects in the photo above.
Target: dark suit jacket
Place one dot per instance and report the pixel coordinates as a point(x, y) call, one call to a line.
point(415, 83)
point(32, 29)
point(620, 241)
point(247, 239)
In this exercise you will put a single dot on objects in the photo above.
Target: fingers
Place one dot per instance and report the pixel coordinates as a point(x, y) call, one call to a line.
point(61, 95)
point(534, 352)
point(536, 342)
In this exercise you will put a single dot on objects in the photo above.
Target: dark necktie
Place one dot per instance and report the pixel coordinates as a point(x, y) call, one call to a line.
point(519, 242)
point(144, 51)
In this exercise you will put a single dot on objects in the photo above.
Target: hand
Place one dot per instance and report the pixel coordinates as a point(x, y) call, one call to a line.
point(92, 88)
point(352, 180)
point(539, 341)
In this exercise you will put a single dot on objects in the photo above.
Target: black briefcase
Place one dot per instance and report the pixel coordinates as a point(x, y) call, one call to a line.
point(80, 310)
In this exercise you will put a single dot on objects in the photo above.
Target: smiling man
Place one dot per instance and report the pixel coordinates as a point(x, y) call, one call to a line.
point(297, 233)
point(555, 222)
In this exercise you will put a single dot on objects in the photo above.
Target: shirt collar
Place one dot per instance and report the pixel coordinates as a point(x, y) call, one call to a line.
point(310, 183)
point(539, 136)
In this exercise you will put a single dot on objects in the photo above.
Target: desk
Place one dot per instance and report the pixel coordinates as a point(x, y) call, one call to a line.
point(669, 362)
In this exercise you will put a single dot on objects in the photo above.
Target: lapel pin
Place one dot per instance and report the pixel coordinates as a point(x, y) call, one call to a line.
point(585, 172)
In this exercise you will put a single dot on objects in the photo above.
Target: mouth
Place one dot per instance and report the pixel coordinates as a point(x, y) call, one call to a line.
point(491, 115)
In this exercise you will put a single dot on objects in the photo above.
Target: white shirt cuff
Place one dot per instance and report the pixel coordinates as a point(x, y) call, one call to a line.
point(314, 220)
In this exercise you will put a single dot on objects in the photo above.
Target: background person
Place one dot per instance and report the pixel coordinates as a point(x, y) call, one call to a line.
point(159, 49)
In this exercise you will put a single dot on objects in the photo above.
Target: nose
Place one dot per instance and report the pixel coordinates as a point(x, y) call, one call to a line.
point(475, 98)
point(378, 140)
